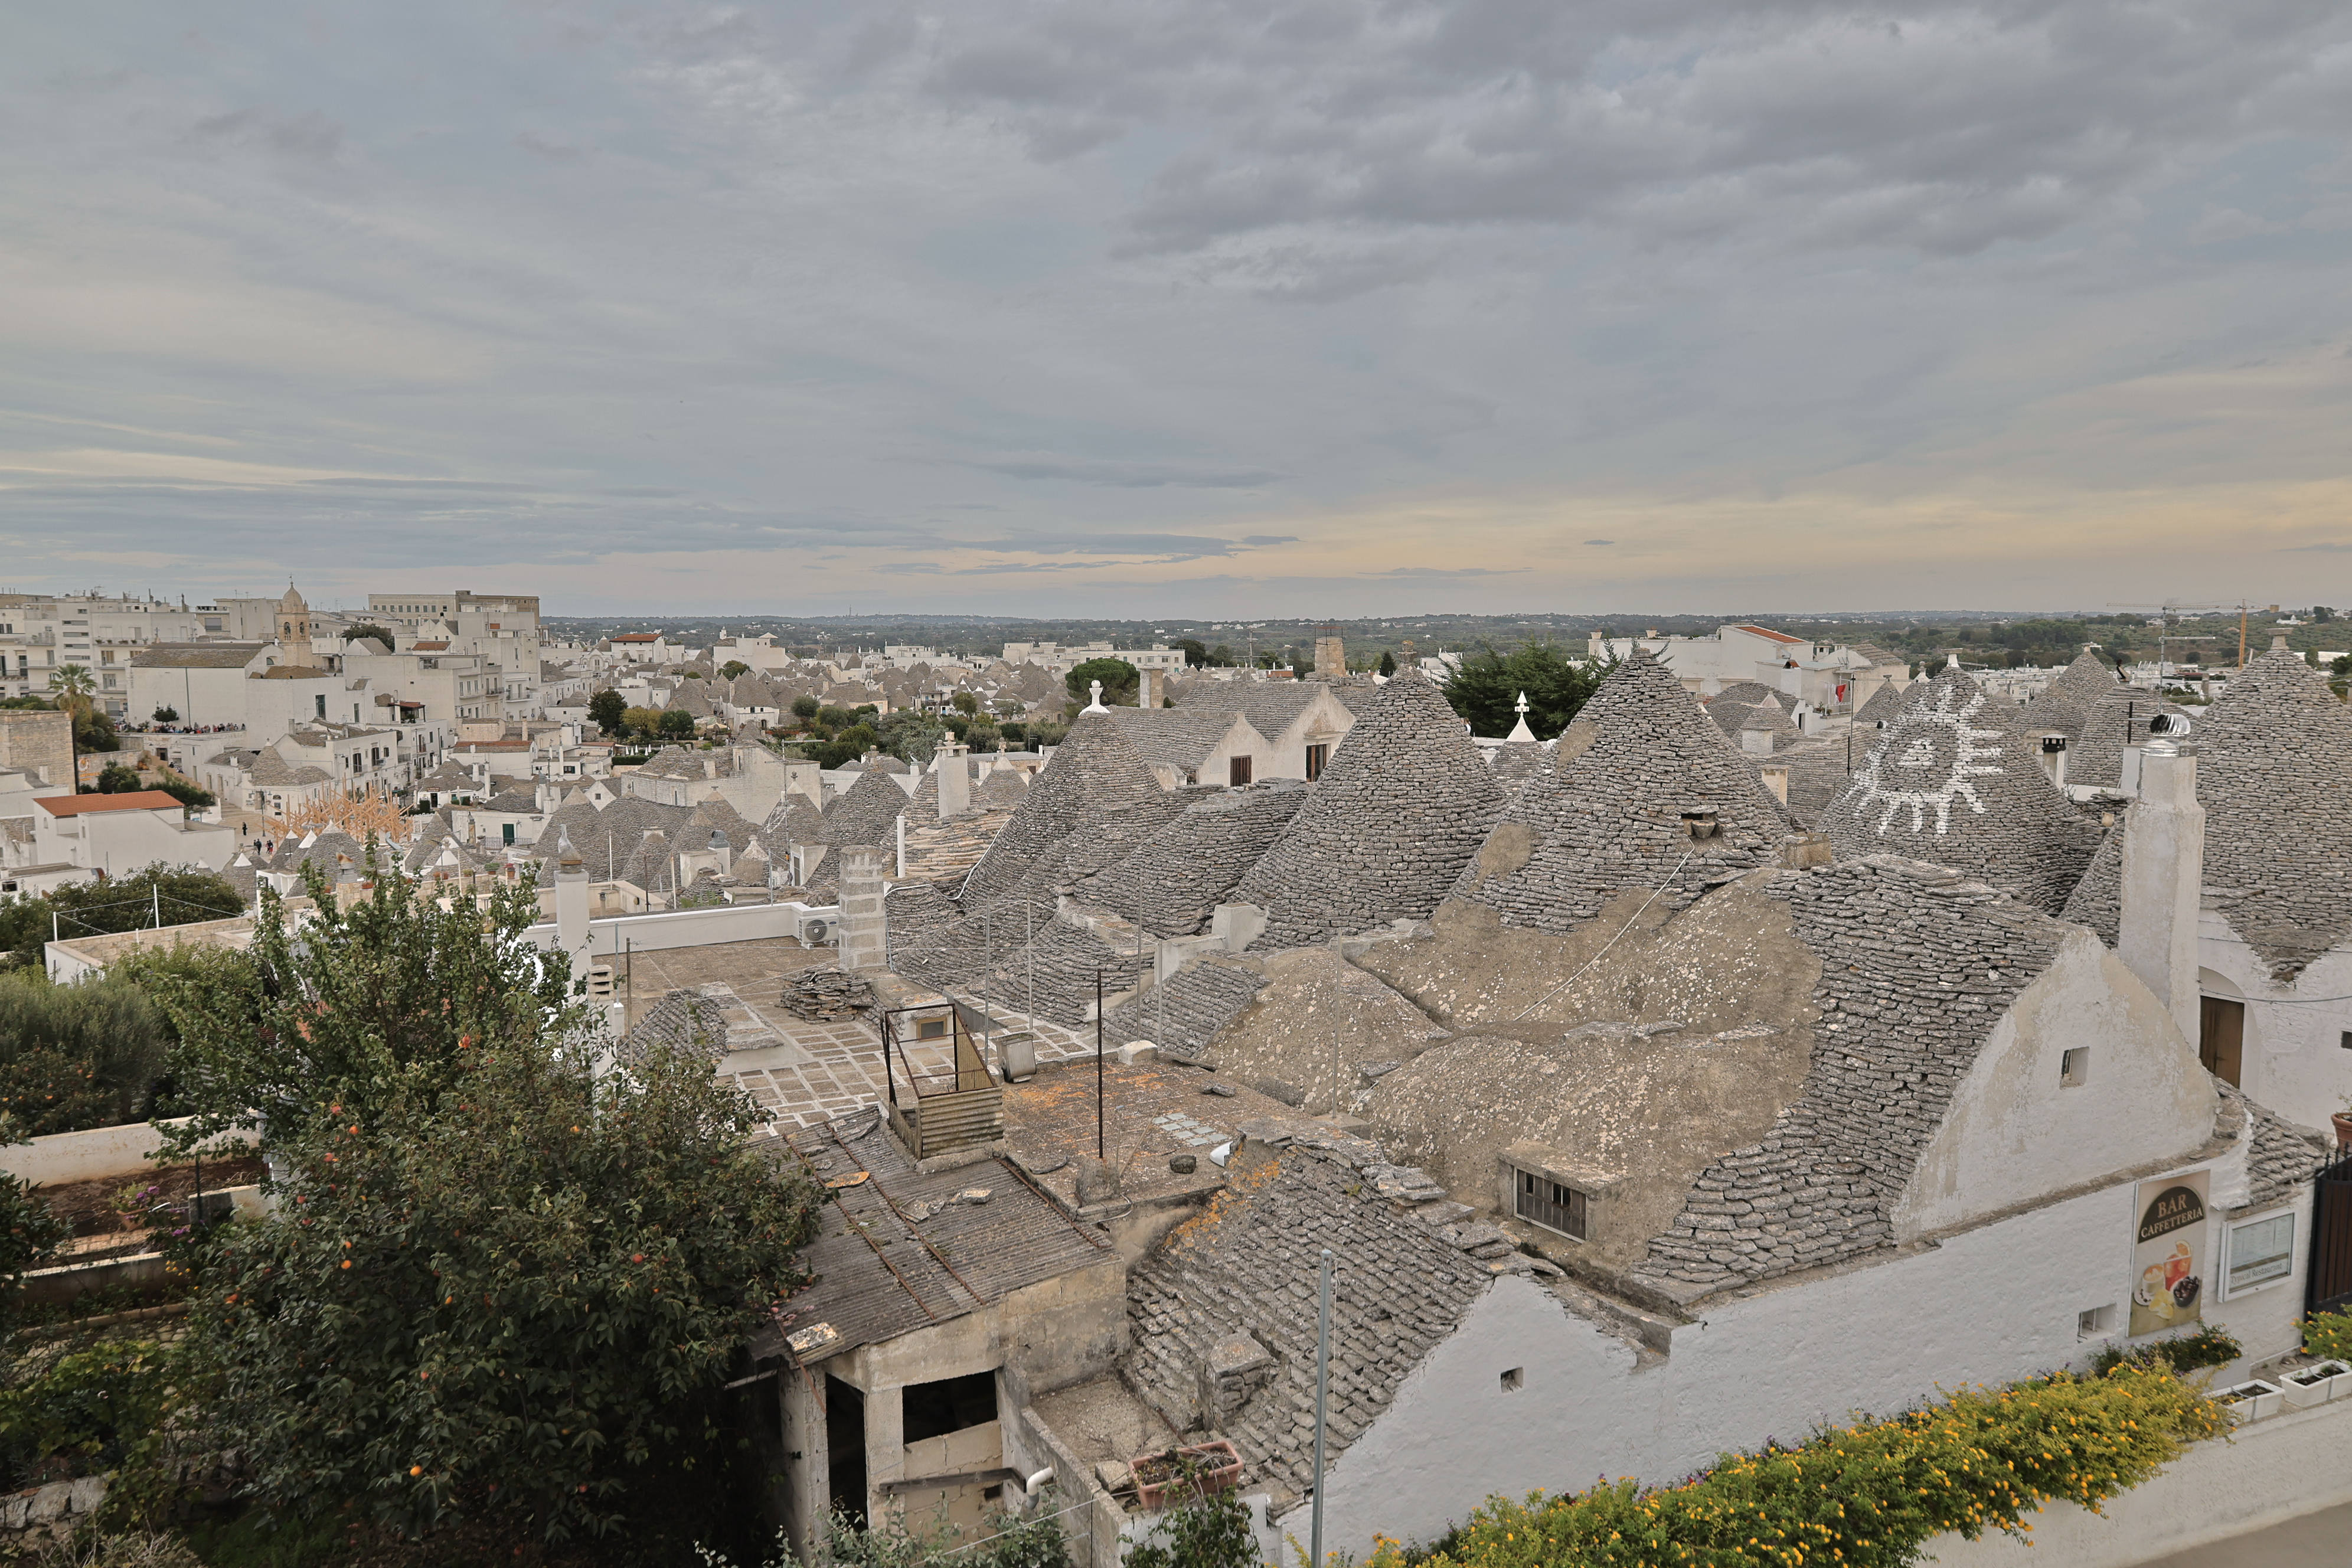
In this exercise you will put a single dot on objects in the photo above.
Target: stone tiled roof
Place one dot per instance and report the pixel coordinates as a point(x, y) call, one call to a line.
point(1002, 787)
point(1901, 1024)
point(1224, 1309)
point(2275, 756)
point(1401, 808)
point(2281, 1157)
point(1184, 1014)
point(686, 1021)
point(1947, 782)
point(1054, 973)
point(2098, 900)
point(689, 763)
point(1178, 738)
point(796, 821)
point(271, 768)
point(1517, 762)
point(1096, 774)
point(1885, 704)
point(1741, 694)
point(2067, 702)
point(520, 801)
point(2095, 755)
point(330, 850)
point(867, 813)
point(1175, 878)
point(1609, 816)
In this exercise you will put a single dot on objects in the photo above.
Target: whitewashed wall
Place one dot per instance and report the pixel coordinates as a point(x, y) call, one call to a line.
point(1989, 1305)
point(123, 1151)
point(2294, 1060)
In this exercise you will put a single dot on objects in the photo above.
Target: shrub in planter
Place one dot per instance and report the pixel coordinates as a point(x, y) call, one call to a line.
point(2328, 1335)
point(1868, 1495)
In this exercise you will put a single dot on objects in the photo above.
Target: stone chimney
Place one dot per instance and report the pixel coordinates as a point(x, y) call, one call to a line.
point(1330, 654)
point(571, 904)
point(864, 938)
point(1776, 779)
point(2163, 876)
point(1148, 696)
point(955, 779)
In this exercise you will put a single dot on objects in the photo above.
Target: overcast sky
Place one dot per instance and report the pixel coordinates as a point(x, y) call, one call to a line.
point(1113, 307)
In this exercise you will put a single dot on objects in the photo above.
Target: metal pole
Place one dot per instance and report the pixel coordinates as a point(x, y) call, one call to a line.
point(156, 893)
point(1099, 1069)
point(1322, 1402)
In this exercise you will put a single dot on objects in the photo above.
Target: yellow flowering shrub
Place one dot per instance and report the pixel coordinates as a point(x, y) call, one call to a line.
point(2328, 1334)
point(1866, 1495)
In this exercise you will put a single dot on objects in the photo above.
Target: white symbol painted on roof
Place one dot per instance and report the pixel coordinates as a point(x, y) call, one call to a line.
point(1940, 741)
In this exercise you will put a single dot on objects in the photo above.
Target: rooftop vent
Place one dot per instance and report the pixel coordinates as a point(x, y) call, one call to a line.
point(1699, 822)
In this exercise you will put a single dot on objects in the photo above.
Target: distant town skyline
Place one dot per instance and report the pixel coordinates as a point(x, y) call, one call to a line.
point(1001, 308)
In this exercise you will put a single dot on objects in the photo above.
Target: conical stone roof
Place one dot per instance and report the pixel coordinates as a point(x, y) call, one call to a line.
point(2274, 759)
point(2095, 755)
point(1885, 703)
point(1402, 806)
point(867, 813)
point(1095, 774)
point(1610, 814)
point(1948, 783)
point(2068, 701)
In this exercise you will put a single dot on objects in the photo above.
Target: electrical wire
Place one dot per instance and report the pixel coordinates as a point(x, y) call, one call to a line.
point(1612, 940)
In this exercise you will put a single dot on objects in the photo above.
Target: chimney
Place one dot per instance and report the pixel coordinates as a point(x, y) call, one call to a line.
point(1776, 779)
point(1330, 654)
point(1149, 696)
point(955, 780)
point(1757, 743)
point(2163, 876)
point(723, 851)
point(571, 904)
point(865, 936)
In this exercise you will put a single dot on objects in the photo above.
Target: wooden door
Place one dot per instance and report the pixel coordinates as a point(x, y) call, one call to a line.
point(2221, 1037)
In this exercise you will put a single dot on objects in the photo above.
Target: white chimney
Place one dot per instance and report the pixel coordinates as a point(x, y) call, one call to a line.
point(2163, 876)
point(571, 905)
point(955, 780)
point(865, 936)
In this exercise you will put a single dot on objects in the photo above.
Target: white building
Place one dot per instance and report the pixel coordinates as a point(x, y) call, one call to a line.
point(1831, 677)
point(120, 834)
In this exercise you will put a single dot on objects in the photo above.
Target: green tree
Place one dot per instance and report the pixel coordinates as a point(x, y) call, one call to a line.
point(30, 1232)
point(1121, 682)
point(608, 709)
point(1485, 691)
point(734, 669)
point(75, 1056)
point(116, 779)
point(498, 1283)
point(1388, 662)
point(911, 736)
point(191, 795)
point(71, 685)
point(369, 630)
point(804, 707)
point(676, 724)
point(179, 894)
point(166, 715)
point(964, 703)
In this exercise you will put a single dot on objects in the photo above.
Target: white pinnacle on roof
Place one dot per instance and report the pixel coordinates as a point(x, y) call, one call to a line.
point(1094, 705)
point(1519, 731)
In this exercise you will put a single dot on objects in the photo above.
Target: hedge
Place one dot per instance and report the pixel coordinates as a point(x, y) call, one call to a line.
point(1866, 1495)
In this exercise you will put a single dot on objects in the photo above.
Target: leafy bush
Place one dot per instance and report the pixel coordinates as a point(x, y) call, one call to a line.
point(187, 792)
point(1868, 1495)
point(75, 1056)
point(1006, 1541)
point(181, 893)
point(1121, 682)
point(2328, 1335)
point(2210, 1345)
point(29, 1232)
point(1212, 1531)
point(116, 779)
point(89, 1410)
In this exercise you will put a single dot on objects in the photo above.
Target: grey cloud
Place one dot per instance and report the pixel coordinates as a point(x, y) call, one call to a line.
point(1126, 475)
point(309, 136)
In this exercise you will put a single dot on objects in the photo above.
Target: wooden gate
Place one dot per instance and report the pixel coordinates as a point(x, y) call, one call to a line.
point(2328, 1282)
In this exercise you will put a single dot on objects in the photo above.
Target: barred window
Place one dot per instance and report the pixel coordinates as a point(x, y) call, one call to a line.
point(1547, 1203)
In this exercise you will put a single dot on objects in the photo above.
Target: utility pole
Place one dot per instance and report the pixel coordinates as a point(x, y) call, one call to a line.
point(1322, 1404)
point(1098, 1067)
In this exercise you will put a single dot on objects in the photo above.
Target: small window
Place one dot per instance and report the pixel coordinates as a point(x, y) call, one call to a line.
point(1547, 1203)
point(318, 706)
point(507, 831)
point(2096, 1320)
point(2345, 1039)
point(2075, 1067)
point(2261, 1252)
point(1238, 772)
point(1515, 1379)
point(930, 1028)
point(1317, 755)
point(950, 1405)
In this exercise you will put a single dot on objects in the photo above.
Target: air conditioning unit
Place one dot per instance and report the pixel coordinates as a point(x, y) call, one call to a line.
point(815, 930)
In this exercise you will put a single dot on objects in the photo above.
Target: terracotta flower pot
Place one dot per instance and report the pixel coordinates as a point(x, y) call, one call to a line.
point(2343, 1120)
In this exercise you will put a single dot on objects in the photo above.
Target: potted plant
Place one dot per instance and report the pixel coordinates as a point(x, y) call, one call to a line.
point(1204, 1469)
point(2316, 1383)
point(2343, 1120)
point(2248, 1401)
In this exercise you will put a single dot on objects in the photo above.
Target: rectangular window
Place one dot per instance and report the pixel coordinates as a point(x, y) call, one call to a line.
point(2261, 1252)
point(1238, 772)
point(2075, 1067)
point(319, 705)
point(1547, 1203)
point(2090, 1324)
point(507, 829)
point(1316, 756)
